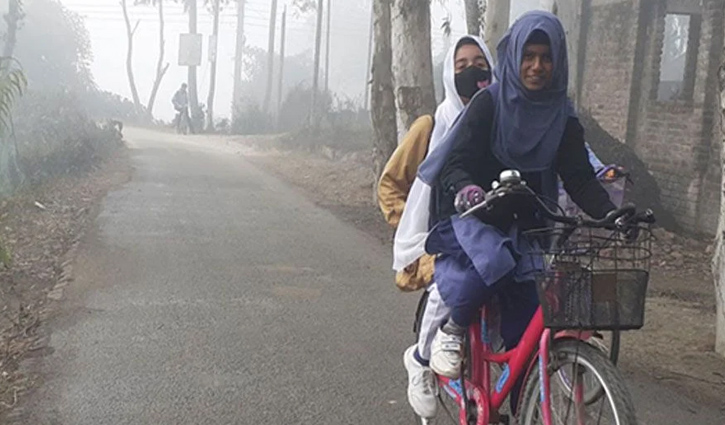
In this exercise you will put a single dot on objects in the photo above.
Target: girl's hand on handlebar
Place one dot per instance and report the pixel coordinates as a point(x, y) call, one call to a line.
point(468, 197)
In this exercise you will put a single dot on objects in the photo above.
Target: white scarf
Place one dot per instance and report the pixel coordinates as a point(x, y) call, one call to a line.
point(409, 243)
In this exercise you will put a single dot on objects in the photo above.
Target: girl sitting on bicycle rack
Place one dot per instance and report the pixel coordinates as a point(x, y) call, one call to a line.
point(524, 121)
point(405, 200)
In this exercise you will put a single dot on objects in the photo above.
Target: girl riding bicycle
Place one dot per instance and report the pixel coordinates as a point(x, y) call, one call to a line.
point(526, 122)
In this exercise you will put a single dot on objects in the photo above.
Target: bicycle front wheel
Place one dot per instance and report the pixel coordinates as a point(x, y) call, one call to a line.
point(592, 373)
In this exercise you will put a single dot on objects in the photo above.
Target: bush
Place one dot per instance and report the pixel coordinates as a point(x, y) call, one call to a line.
point(103, 105)
point(295, 110)
point(55, 136)
point(344, 127)
point(250, 119)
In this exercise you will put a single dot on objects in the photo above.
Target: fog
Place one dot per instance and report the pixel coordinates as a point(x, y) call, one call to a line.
point(350, 33)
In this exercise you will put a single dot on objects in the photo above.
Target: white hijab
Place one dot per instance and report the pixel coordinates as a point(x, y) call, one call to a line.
point(409, 243)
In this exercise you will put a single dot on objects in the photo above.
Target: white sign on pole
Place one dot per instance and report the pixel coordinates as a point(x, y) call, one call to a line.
point(212, 48)
point(190, 49)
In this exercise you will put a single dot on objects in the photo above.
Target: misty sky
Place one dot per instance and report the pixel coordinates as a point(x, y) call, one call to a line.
point(349, 41)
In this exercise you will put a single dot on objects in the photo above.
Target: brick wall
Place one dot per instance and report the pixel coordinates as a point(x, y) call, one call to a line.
point(678, 140)
point(675, 138)
point(609, 49)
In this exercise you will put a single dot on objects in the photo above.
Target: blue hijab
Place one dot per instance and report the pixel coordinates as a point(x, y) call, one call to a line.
point(529, 125)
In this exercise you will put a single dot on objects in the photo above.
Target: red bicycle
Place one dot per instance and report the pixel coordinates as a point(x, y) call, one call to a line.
point(591, 275)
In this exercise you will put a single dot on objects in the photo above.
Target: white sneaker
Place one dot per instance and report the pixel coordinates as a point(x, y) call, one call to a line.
point(422, 388)
point(445, 356)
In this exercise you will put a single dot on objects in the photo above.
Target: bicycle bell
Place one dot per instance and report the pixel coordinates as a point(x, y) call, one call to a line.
point(509, 177)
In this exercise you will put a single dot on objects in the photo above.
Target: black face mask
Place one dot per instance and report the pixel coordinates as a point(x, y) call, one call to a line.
point(471, 80)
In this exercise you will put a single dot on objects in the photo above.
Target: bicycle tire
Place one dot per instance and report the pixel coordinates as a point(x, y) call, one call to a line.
point(583, 354)
point(611, 350)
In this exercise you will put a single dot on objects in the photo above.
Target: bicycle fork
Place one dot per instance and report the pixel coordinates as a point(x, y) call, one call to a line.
point(544, 381)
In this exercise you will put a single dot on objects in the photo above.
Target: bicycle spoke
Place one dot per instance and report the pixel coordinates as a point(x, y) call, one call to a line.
point(568, 403)
point(601, 410)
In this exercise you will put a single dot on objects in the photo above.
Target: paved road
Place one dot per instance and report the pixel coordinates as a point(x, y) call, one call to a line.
point(211, 293)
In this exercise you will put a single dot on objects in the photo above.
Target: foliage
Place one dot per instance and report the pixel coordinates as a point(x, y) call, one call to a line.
point(345, 126)
point(102, 105)
point(56, 136)
point(12, 85)
point(297, 70)
point(295, 110)
point(54, 47)
point(250, 119)
point(187, 3)
point(303, 6)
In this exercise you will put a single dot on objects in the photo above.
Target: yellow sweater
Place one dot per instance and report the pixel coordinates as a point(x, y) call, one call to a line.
point(393, 188)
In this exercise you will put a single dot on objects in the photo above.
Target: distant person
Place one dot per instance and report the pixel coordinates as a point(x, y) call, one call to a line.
point(181, 104)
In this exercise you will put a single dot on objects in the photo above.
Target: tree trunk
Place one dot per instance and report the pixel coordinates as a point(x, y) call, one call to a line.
point(412, 61)
point(382, 95)
point(496, 22)
point(193, 92)
point(368, 72)
point(270, 57)
point(160, 68)
point(129, 56)
point(238, 54)
point(280, 83)
point(473, 16)
point(314, 113)
point(718, 264)
point(548, 5)
point(212, 77)
point(571, 13)
point(327, 47)
point(12, 18)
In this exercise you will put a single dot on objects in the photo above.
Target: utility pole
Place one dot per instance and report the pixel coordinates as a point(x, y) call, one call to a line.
point(280, 83)
point(12, 19)
point(270, 56)
point(238, 57)
point(327, 48)
point(314, 115)
point(212, 80)
point(193, 94)
point(368, 69)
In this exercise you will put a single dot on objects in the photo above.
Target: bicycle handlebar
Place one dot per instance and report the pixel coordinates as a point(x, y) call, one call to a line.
point(511, 184)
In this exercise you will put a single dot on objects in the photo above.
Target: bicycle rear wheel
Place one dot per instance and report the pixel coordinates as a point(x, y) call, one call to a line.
point(589, 367)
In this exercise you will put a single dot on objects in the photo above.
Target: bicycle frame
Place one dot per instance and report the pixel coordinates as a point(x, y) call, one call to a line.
point(517, 362)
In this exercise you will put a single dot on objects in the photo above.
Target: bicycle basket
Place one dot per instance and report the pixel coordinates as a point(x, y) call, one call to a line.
point(594, 282)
